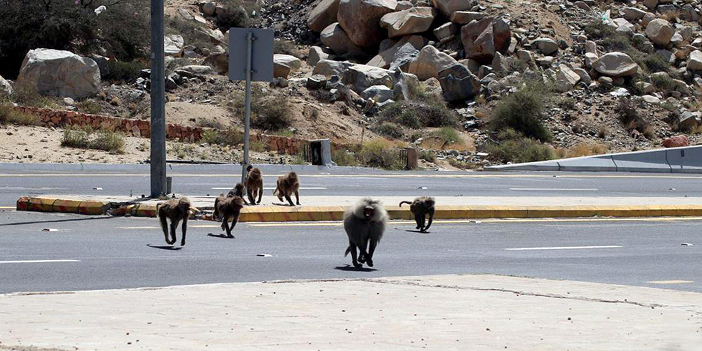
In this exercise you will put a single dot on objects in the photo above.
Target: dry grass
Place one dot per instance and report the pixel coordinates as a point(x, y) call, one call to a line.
point(582, 149)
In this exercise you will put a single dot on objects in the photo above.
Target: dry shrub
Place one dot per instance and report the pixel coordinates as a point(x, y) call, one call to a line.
point(582, 149)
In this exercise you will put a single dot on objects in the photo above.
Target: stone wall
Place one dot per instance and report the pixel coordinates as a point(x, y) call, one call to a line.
point(142, 129)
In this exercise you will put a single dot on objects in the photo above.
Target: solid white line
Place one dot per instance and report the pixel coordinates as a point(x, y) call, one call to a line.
point(269, 188)
point(551, 189)
point(40, 261)
point(563, 248)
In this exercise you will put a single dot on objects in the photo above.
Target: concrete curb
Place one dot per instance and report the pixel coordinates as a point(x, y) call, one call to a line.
point(335, 213)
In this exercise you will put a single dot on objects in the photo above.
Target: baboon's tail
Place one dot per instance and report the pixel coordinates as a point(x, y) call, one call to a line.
point(348, 251)
point(404, 202)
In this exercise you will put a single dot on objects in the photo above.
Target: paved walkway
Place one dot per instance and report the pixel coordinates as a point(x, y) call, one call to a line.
point(448, 312)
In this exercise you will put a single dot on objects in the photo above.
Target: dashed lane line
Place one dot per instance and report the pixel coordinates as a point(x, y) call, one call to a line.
point(563, 248)
point(39, 261)
point(666, 282)
point(229, 175)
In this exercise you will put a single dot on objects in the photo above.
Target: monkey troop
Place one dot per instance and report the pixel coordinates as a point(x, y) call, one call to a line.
point(228, 208)
point(287, 185)
point(238, 191)
point(254, 184)
point(364, 224)
point(420, 207)
point(175, 210)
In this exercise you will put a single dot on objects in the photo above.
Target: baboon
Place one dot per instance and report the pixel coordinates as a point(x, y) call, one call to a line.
point(175, 210)
point(254, 184)
point(287, 185)
point(364, 224)
point(228, 208)
point(238, 191)
point(420, 207)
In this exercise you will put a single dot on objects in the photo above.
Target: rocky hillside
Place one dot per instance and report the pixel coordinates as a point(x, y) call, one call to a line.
point(468, 82)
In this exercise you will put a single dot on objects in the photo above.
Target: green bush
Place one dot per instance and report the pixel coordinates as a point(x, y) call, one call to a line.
point(449, 135)
point(237, 14)
point(8, 115)
point(427, 155)
point(389, 129)
point(656, 63)
point(514, 147)
point(597, 29)
point(89, 106)
point(28, 95)
point(267, 112)
point(663, 83)
point(286, 47)
point(193, 32)
point(127, 71)
point(231, 137)
point(630, 117)
point(617, 42)
point(377, 154)
point(417, 114)
point(110, 141)
point(522, 111)
point(566, 103)
point(343, 157)
point(77, 138)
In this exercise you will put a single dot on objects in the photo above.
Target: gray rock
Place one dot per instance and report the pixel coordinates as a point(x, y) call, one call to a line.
point(659, 31)
point(315, 55)
point(651, 99)
point(173, 45)
point(524, 55)
point(566, 78)
point(60, 73)
point(615, 64)
point(689, 13)
point(360, 19)
point(448, 7)
point(445, 31)
point(591, 47)
point(458, 83)
point(632, 13)
point(694, 62)
point(429, 62)
point(379, 93)
point(208, 8)
point(293, 62)
point(5, 87)
point(219, 62)
point(404, 5)
point(465, 17)
point(335, 38)
point(323, 15)
point(362, 77)
point(651, 4)
point(316, 81)
point(414, 20)
point(481, 39)
point(688, 120)
point(330, 68)
point(102, 65)
point(196, 69)
point(401, 54)
point(547, 46)
point(584, 76)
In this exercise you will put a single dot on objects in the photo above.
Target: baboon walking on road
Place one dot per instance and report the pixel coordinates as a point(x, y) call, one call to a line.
point(228, 208)
point(238, 191)
point(175, 210)
point(287, 185)
point(420, 207)
point(254, 184)
point(364, 224)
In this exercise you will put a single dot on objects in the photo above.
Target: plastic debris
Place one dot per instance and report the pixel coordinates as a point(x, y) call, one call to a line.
point(97, 188)
point(100, 9)
point(49, 230)
point(423, 188)
point(686, 244)
point(264, 255)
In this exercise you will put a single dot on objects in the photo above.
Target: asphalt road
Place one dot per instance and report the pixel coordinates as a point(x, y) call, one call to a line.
point(112, 252)
point(124, 180)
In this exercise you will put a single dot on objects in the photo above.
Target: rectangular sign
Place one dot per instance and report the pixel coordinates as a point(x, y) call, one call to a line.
point(261, 54)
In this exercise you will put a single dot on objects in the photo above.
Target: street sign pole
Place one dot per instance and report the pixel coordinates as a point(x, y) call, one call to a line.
point(247, 109)
point(253, 65)
point(158, 117)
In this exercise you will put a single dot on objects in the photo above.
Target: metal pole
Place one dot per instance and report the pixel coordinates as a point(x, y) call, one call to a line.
point(158, 117)
point(247, 108)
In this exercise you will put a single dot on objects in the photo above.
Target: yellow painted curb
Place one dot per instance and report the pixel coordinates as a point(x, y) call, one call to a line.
point(93, 207)
point(141, 210)
point(66, 206)
point(41, 204)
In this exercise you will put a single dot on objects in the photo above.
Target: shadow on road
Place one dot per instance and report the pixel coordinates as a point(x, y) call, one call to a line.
point(416, 231)
point(349, 268)
point(223, 236)
point(56, 221)
point(165, 247)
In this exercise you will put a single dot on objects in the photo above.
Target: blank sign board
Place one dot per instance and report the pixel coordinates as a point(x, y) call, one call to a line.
point(261, 54)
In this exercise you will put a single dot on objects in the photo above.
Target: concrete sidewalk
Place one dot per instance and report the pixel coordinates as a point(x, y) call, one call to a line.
point(449, 312)
point(325, 208)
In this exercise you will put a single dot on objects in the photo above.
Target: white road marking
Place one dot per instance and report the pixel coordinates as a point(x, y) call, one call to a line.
point(147, 227)
point(563, 248)
point(663, 282)
point(552, 189)
point(269, 188)
point(40, 261)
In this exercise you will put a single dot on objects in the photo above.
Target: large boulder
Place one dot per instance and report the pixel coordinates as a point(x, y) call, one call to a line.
point(547, 46)
point(361, 19)
point(481, 39)
point(694, 62)
point(566, 78)
point(615, 64)
point(400, 54)
point(5, 87)
point(659, 31)
point(465, 17)
point(219, 62)
point(632, 13)
point(173, 45)
point(445, 31)
point(447, 7)
point(323, 15)
point(430, 62)
point(379, 93)
point(414, 20)
point(316, 54)
point(458, 83)
point(330, 68)
point(362, 77)
point(676, 141)
point(335, 38)
point(291, 61)
point(60, 73)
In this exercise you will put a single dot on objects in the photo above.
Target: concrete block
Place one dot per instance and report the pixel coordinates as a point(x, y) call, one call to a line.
point(685, 159)
point(588, 164)
point(642, 161)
